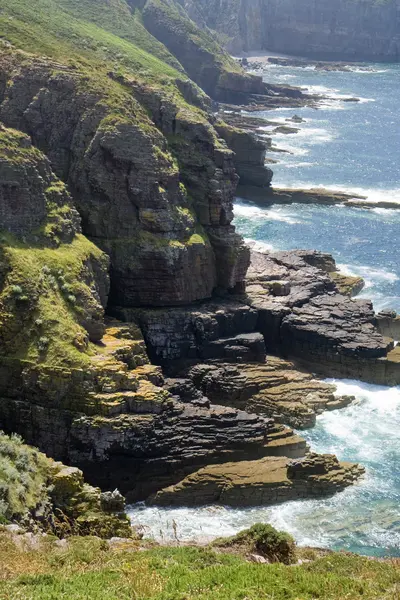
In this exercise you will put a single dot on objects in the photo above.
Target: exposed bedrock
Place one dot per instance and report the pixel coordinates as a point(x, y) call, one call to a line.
point(275, 389)
point(207, 64)
point(359, 30)
point(323, 329)
point(297, 301)
point(160, 209)
point(261, 482)
point(118, 421)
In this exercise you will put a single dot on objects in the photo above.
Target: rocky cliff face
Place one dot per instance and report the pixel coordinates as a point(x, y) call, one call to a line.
point(359, 30)
point(116, 193)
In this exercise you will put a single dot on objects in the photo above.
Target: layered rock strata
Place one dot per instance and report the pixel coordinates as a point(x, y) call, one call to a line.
point(263, 482)
point(275, 388)
point(312, 322)
point(118, 194)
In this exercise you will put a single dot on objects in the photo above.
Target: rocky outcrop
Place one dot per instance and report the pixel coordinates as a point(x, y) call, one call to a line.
point(117, 422)
point(361, 30)
point(40, 493)
point(269, 196)
point(250, 154)
point(128, 187)
point(311, 322)
point(130, 144)
point(220, 329)
point(262, 482)
point(275, 389)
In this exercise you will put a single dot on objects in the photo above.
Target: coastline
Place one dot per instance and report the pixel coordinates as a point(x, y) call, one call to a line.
point(266, 128)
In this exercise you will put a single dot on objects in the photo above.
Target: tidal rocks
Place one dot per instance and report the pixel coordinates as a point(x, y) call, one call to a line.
point(348, 285)
point(316, 325)
point(301, 196)
point(262, 482)
point(275, 389)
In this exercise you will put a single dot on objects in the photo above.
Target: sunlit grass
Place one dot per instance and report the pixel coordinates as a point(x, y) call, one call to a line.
point(88, 569)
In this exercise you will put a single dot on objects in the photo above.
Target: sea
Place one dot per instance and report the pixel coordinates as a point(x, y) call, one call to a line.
point(352, 147)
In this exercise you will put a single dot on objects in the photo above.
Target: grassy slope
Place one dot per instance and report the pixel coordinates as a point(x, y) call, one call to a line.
point(102, 33)
point(89, 570)
point(30, 481)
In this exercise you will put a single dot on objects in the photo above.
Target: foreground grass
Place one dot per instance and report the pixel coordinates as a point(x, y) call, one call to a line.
point(88, 570)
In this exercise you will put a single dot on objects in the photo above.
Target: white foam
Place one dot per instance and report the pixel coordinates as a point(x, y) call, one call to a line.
point(252, 212)
point(370, 275)
point(258, 246)
point(364, 516)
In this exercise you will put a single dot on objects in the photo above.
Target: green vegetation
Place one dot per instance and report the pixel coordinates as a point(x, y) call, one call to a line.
point(184, 29)
point(277, 546)
point(23, 475)
point(87, 569)
point(98, 33)
point(38, 319)
point(31, 484)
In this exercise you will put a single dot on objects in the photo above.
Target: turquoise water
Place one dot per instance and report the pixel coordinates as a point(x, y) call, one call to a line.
point(354, 147)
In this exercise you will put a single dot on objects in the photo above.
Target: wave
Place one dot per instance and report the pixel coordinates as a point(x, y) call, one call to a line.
point(369, 274)
point(258, 246)
point(295, 165)
point(252, 212)
point(364, 518)
point(372, 195)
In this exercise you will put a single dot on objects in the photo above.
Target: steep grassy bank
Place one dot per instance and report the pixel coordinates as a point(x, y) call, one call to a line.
point(41, 493)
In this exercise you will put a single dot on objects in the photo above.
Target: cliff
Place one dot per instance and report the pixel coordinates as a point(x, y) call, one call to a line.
point(117, 183)
point(344, 30)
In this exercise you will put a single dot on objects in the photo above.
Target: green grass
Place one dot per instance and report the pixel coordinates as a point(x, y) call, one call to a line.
point(23, 476)
point(46, 312)
point(99, 32)
point(88, 570)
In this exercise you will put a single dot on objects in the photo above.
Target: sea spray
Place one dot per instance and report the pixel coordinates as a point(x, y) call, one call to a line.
point(364, 518)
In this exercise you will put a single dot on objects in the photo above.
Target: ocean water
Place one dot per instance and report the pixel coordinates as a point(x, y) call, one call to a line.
point(352, 147)
point(363, 241)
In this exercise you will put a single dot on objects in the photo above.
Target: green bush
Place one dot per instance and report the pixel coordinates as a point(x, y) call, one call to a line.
point(262, 538)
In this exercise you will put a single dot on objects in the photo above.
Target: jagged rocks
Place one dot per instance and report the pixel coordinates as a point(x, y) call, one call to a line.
point(224, 329)
point(262, 482)
point(275, 389)
point(321, 328)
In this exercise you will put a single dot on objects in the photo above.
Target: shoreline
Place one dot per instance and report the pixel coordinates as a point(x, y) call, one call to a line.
point(265, 129)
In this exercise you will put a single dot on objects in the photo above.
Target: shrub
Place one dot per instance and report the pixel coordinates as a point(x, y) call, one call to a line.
point(16, 290)
point(43, 344)
point(264, 539)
